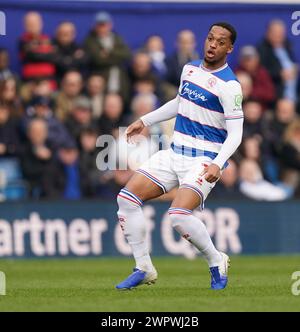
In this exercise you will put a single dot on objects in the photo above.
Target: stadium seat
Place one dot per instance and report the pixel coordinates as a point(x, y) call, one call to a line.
point(12, 185)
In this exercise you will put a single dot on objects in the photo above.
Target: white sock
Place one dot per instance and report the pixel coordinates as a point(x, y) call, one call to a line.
point(193, 230)
point(133, 224)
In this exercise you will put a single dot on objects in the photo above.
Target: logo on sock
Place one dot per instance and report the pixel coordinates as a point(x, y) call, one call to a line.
point(186, 236)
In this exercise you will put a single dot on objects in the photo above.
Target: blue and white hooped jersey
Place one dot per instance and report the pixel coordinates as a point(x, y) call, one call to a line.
point(207, 100)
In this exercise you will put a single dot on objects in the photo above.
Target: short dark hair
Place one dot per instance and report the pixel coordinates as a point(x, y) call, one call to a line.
point(228, 27)
point(89, 131)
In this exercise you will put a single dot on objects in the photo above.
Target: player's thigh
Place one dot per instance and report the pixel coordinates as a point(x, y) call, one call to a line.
point(143, 187)
point(186, 199)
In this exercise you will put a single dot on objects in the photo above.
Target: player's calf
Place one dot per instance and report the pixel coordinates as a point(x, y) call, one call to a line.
point(193, 230)
point(133, 224)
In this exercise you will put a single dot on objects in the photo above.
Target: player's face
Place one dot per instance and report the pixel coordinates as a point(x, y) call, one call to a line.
point(217, 45)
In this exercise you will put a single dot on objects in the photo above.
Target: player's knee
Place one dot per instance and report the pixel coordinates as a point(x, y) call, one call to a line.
point(178, 215)
point(127, 201)
point(175, 221)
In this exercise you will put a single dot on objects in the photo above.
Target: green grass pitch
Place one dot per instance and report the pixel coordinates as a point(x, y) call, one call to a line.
point(261, 283)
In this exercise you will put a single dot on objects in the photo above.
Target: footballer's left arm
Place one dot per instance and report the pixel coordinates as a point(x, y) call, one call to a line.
point(231, 100)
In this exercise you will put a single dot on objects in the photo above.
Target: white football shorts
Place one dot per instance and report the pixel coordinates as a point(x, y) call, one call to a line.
point(168, 169)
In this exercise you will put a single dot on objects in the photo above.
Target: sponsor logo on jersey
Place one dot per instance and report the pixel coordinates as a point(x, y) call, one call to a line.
point(192, 93)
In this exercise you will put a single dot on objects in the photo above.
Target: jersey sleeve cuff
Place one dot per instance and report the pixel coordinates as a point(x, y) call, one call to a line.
point(234, 117)
point(218, 163)
point(146, 124)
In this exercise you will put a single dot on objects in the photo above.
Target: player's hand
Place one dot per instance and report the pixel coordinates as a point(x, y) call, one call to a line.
point(212, 173)
point(134, 129)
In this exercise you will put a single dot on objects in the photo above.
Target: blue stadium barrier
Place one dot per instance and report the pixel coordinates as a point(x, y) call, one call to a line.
point(90, 229)
point(13, 186)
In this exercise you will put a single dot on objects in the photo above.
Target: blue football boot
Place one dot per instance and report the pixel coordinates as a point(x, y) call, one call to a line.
point(137, 278)
point(219, 274)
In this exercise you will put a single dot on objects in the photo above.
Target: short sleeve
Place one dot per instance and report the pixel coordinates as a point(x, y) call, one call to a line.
point(231, 99)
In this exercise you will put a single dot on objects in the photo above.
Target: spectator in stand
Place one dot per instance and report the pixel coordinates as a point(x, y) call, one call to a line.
point(112, 117)
point(95, 89)
point(228, 186)
point(37, 158)
point(251, 148)
point(141, 66)
point(36, 50)
point(289, 153)
point(80, 118)
point(111, 122)
point(108, 54)
point(262, 86)
point(273, 137)
point(70, 90)
point(92, 178)
point(276, 55)
point(285, 113)
point(42, 87)
point(68, 54)
point(9, 96)
point(246, 84)
point(64, 180)
point(70, 172)
point(141, 69)
point(145, 85)
point(5, 71)
point(254, 123)
point(9, 133)
point(155, 49)
point(186, 52)
point(253, 185)
point(41, 107)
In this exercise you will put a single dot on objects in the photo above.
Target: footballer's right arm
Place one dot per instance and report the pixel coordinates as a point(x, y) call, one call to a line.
point(165, 112)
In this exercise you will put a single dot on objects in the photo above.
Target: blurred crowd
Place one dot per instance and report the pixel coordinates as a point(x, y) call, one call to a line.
point(68, 94)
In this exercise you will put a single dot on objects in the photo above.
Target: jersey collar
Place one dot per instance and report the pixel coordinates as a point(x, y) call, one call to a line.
point(215, 70)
